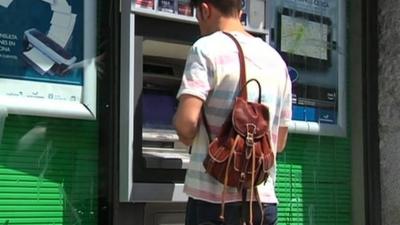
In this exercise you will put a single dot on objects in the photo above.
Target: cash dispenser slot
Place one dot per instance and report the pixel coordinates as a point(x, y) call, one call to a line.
point(162, 149)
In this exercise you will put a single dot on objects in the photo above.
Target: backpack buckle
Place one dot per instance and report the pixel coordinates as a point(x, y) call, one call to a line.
point(251, 129)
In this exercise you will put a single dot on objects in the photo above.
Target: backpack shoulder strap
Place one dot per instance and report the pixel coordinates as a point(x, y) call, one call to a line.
point(242, 82)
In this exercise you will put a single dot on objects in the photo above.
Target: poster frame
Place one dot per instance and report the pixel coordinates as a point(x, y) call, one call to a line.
point(339, 33)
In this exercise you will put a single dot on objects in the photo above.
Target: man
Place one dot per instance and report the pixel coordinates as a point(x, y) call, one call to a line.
point(210, 81)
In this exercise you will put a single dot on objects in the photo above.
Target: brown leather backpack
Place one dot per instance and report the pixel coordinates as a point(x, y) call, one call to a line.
point(241, 154)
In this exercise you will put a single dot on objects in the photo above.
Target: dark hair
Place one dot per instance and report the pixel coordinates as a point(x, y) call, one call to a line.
point(226, 7)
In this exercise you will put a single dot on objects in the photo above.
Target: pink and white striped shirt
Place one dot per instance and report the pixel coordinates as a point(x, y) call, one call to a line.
point(212, 74)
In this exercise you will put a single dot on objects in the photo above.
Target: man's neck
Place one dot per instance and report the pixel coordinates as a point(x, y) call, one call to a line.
point(229, 25)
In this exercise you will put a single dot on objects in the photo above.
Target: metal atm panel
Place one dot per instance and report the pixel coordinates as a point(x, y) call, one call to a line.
point(159, 158)
point(161, 79)
point(152, 160)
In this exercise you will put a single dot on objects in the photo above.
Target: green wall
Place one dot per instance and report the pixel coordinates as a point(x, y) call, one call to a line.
point(48, 171)
point(314, 181)
point(49, 175)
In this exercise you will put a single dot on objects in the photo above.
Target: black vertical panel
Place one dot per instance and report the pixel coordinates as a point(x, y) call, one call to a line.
point(370, 108)
point(108, 89)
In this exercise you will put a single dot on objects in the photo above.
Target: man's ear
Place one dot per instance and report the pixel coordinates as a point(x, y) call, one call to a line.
point(205, 10)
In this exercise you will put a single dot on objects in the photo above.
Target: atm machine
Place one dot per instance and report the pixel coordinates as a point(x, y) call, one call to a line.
point(152, 160)
point(159, 168)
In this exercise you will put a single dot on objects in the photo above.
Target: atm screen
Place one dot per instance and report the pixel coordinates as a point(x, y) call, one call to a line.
point(158, 109)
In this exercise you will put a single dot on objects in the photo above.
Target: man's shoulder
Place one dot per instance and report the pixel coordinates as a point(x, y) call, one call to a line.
point(263, 51)
point(218, 43)
point(210, 45)
point(209, 40)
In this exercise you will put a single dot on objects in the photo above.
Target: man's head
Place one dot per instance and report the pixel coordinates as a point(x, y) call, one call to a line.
point(210, 13)
point(226, 7)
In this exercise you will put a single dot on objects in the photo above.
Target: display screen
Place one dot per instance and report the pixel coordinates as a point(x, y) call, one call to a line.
point(158, 109)
point(304, 38)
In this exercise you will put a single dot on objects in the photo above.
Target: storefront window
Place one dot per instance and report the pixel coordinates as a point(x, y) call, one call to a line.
point(314, 172)
point(60, 101)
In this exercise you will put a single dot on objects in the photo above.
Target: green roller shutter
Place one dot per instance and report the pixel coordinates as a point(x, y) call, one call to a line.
point(314, 181)
point(48, 175)
point(48, 171)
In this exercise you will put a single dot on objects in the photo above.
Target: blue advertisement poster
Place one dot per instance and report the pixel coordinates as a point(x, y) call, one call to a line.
point(48, 57)
point(42, 40)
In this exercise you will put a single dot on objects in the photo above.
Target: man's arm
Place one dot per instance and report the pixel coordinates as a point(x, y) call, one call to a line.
point(186, 119)
point(286, 113)
point(282, 137)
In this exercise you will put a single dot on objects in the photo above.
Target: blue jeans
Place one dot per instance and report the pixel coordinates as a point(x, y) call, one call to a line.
point(205, 213)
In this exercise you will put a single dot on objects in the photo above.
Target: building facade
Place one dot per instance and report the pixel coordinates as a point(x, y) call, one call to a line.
point(78, 146)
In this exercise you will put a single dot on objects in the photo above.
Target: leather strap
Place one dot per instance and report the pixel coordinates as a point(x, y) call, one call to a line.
point(231, 152)
point(242, 83)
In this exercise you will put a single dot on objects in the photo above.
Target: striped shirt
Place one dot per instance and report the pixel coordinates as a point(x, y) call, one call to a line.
point(212, 74)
